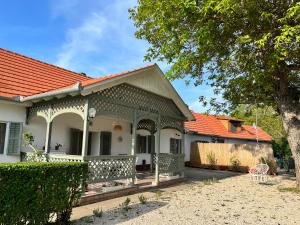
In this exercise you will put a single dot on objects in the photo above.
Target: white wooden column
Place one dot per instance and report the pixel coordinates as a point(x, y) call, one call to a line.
point(85, 129)
point(157, 151)
point(133, 143)
point(48, 132)
point(48, 136)
point(182, 151)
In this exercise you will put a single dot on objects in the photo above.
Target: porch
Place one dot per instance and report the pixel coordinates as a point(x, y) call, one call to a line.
point(113, 130)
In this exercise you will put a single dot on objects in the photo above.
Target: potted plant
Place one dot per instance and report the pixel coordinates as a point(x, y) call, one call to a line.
point(57, 146)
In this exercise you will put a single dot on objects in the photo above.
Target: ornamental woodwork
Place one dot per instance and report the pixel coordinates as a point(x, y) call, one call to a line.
point(118, 101)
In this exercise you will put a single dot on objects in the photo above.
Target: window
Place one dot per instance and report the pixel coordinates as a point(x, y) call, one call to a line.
point(14, 138)
point(175, 146)
point(105, 143)
point(235, 126)
point(2, 137)
point(145, 144)
point(76, 142)
point(141, 144)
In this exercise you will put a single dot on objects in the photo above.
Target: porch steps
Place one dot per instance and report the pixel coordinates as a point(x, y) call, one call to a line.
point(145, 186)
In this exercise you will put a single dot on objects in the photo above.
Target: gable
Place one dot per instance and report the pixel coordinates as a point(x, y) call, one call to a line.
point(150, 79)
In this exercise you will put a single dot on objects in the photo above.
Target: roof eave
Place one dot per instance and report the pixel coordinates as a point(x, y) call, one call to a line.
point(58, 93)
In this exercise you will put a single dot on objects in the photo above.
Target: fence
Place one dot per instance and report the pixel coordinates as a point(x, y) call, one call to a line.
point(248, 155)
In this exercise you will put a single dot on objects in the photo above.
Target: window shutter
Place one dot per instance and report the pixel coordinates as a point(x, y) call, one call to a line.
point(2, 137)
point(14, 140)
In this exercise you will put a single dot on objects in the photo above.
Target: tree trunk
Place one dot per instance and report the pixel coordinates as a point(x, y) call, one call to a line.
point(290, 116)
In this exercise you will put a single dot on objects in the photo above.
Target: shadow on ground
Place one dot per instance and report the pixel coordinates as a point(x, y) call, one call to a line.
point(119, 215)
point(198, 174)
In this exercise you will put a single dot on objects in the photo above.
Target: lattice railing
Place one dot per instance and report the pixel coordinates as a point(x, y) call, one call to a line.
point(64, 158)
point(169, 163)
point(101, 168)
point(105, 168)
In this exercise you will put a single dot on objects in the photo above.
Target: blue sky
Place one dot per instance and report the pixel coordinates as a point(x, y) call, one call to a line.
point(91, 36)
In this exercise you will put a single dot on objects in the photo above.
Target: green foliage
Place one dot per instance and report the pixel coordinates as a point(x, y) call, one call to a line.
point(289, 189)
point(37, 155)
point(212, 160)
point(28, 138)
point(98, 212)
point(125, 204)
point(248, 50)
point(281, 148)
point(142, 199)
point(33, 192)
point(210, 181)
point(235, 163)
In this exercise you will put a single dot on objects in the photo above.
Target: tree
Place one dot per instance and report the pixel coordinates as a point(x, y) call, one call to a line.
point(250, 50)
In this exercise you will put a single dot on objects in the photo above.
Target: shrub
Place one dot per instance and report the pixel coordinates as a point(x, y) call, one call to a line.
point(271, 163)
point(33, 192)
point(98, 212)
point(142, 199)
point(125, 204)
point(211, 157)
point(235, 163)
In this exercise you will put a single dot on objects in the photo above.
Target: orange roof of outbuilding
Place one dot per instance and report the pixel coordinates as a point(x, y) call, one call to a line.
point(24, 76)
point(211, 125)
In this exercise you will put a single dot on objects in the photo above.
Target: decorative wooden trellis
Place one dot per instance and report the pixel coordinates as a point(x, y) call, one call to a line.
point(106, 168)
point(119, 101)
point(169, 163)
point(102, 168)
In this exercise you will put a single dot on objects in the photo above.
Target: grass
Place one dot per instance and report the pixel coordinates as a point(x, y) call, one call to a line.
point(289, 189)
point(210, 181)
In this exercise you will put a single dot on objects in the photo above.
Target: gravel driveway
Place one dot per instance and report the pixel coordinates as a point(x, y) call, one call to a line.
point(231, 198)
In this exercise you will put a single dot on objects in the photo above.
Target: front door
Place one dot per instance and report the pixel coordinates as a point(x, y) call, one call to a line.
point(105, 143)
point(76, 142)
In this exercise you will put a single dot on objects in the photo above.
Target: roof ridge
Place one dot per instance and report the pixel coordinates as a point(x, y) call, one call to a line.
point(40, 61)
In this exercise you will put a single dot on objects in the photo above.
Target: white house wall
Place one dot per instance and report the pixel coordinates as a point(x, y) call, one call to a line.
point(10, 112)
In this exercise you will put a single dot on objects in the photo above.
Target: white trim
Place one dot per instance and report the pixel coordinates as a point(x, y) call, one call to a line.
point(122, 79)
point(6, 140)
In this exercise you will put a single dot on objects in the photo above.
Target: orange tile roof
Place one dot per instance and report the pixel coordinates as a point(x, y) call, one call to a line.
point(211, 125)
point(24, 76)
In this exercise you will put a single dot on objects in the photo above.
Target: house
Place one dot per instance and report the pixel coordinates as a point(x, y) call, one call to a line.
point(231, 132)
point(113, 122)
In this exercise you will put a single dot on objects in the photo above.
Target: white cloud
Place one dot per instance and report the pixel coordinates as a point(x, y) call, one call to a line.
point(196, 106)
point(82, 39)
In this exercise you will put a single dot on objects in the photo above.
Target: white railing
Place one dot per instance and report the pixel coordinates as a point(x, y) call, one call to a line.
point(102, 168)
point(169, 163)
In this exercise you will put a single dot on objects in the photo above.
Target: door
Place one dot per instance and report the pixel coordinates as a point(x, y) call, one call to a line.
point(105, 143)
point(76, 142)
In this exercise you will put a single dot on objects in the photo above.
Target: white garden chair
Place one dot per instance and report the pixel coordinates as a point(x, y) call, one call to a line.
point(259, 173)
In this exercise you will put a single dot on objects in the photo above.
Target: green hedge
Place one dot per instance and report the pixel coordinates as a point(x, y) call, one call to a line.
point(35, 193)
